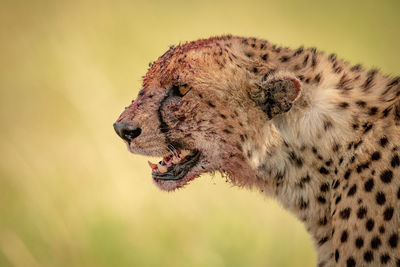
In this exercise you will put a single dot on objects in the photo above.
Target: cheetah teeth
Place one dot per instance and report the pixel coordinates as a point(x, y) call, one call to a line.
point(168, 161)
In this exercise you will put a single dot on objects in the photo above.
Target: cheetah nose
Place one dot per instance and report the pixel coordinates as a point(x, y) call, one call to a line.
point(126, 131)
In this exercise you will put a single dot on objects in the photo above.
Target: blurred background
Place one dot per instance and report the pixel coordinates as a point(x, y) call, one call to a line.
point(70, 192)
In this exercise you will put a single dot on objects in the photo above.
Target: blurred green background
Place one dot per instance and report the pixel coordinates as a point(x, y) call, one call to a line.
point(72, 195)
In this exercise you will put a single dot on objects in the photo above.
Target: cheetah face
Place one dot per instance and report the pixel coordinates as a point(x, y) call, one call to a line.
point(181, 116)
point(179, 123)
point(200, 117)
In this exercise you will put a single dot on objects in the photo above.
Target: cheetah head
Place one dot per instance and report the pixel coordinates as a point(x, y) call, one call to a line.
point(196, 112)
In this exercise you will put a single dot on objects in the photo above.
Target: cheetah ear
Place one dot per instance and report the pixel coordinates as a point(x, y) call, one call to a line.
point(276, 94)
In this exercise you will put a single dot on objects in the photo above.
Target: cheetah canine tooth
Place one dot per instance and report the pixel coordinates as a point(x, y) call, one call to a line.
point(184, 153)
point(162, 168)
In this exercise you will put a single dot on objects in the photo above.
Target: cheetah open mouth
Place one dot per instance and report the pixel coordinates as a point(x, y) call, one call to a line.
point(175, 167)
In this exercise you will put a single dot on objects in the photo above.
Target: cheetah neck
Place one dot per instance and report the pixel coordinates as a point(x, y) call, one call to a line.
point(319, 138)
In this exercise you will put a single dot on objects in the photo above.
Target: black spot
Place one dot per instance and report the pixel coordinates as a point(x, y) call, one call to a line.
point(398, 193)
point(323, 221)
point(362, 212)
point(336, 255)
point(298, 51)
point(357, 144)
point(352, 190)
point(369, 81)
point(321, 199)
point(314, 150)
point(317, 78)
point(227, 131)
point(337, 69)
point(303, 204)
point(347, 174)
point(386, 176)
point(350, 145)
point(373, 111)
point(359, 242)
point(335, 147)
point(367, 127)
point(324, 187)
point(381, 229)
point(279, 176)
point(323, 240)
point(344, 83)
point(295, 158)
point(386, 112)
point(314, 60)
point(394, 82)
point(284, 59)
point(336, 183)
point(338, 199)
point(398, 262)
point(361, 103)
point(327, 125)
point(323, 170)
point(376, 243)
point(388, 214)
point(305, 60)
point(304, 180)
point(356, 68)
point(344, 236)
point(240, 148)
point(255, 70)
point(385, 258)
point(395, 161)
point(264, 57)
point(345, 213)
point(380, 198)
point(375, 156)
point(369, 185)
point(351, 262)
point(249, 154)
point(383, 141)
point(369, 225)
point(222, 116)
point(363, 166)
point(393, 240)
point(368, 256)
point(249, 54)
point(344, 105)
point(210, 104)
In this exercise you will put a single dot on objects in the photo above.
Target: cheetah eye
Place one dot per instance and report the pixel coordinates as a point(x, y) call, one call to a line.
point(180, 90)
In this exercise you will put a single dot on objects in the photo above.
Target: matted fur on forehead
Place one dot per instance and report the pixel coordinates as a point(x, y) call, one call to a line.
point(164, 68)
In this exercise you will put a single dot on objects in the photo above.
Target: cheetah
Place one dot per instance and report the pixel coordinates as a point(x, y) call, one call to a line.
point(307, 128)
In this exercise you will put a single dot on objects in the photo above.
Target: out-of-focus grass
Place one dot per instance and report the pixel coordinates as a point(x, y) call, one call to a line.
point(70, 193)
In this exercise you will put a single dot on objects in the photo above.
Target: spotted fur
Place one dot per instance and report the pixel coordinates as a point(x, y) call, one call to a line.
point(311, 130)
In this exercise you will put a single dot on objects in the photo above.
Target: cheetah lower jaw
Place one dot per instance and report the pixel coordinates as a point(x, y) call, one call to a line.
point(175, 166)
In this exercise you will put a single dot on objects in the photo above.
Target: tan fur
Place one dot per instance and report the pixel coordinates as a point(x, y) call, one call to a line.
point(317, 159)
